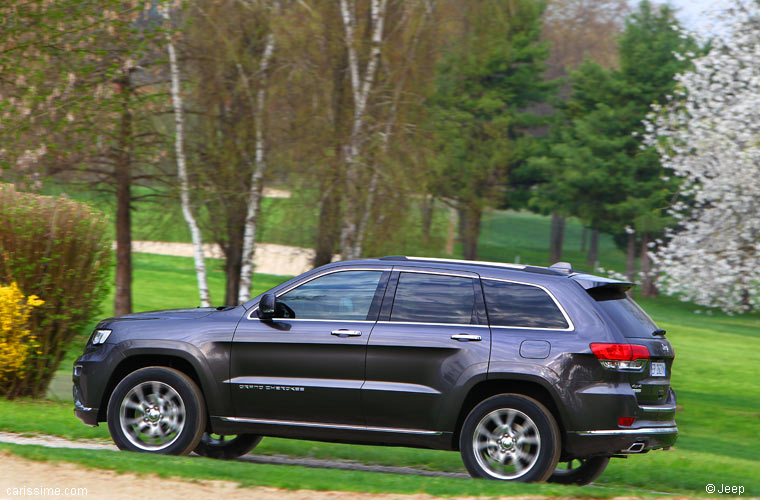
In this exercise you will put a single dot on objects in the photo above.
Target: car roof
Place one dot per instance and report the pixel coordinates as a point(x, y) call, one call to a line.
point(494, 269)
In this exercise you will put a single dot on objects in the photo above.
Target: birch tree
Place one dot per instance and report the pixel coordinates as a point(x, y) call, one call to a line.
point(361, 85)
point(260, 164)
point(184, 182)
point(708, 138)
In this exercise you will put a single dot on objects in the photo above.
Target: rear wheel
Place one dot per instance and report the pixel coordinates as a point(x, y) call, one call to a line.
point(226, 447)
point(157, 410)
point(579, 471)
point(510, 437)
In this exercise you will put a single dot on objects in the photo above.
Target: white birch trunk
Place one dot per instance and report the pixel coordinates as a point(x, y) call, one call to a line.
point(184, 184)
point(260, 164)
point(349, 241)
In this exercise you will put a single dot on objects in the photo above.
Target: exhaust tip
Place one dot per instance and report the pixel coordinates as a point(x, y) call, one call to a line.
point(635, 448)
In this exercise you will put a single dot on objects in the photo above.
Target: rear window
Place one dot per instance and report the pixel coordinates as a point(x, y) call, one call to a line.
point(624, 312)
point(522, 306)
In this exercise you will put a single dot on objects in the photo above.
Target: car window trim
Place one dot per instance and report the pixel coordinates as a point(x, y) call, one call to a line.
point(570, 324)
point(397, 270)
point(255, 308)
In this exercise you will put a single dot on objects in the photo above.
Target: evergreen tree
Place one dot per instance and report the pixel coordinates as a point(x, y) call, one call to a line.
point(598, 168)
point(490, 74)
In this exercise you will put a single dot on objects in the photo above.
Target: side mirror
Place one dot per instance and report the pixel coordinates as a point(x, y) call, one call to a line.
point(267, 306)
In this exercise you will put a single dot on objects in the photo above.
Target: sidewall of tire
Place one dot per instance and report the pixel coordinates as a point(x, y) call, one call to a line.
point(547, 427)
point(234, 448)
point(585, 474)
point(192, 398)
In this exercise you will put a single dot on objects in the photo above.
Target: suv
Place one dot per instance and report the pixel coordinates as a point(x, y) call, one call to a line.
point(517, 367)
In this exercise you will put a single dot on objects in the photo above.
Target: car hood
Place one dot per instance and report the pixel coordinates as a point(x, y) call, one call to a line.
point(194, 313)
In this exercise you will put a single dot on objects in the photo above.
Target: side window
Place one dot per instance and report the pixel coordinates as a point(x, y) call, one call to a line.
point(515, 304)
point(343, 295)
point(433, 298)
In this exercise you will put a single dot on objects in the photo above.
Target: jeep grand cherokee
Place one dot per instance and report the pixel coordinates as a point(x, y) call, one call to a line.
point(517, 367)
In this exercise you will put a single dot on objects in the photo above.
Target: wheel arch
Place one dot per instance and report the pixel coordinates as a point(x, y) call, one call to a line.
point(532, 387)
point(137, 360)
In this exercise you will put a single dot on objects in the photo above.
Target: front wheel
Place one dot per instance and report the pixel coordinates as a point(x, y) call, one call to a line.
point(580, 471)
point(157, 410)
point(510, 437)
point(226, 447)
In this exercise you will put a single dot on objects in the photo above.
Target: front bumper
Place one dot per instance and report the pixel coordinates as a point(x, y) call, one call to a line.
point(88, 416)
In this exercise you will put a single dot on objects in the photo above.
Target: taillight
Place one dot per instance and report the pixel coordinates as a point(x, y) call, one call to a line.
point(623, 357)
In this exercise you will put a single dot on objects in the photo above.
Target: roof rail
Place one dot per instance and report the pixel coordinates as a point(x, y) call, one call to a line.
point(454, 261)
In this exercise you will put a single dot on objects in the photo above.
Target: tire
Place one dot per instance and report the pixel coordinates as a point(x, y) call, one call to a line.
point(510, 437)
point(216, 446)
point(157, 410)
point(580, 471)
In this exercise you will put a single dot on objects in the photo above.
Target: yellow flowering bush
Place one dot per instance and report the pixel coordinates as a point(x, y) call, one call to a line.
point(17, 343)
point(60, 251)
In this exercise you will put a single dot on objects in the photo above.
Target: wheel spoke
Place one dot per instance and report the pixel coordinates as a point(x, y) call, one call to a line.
point(506, 443)
point(152, 415)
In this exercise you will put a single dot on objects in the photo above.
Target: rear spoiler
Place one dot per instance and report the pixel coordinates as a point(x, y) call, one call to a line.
point(592, 282)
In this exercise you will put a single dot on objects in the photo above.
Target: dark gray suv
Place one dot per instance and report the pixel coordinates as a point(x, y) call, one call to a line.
point(517, 367)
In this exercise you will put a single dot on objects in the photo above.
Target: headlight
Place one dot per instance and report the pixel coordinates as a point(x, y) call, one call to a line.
point(100, 336)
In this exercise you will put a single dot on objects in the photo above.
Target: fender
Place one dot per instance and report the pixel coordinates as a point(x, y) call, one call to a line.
point(209, 374)
point(541, 375)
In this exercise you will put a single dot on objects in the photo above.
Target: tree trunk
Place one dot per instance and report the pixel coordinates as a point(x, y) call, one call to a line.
point(630, 257)
point(584, 237)
point(648, 288)
point(426, 209)
point(123, 177)
point(452, 231)
point(557, 238)
point(328, 231)
point(233, 252)
point(593, 248)
point(184, 183)
point(260, 164)
point(470, 231)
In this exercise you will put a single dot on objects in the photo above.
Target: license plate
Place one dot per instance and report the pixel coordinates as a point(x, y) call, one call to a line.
point(658, 370)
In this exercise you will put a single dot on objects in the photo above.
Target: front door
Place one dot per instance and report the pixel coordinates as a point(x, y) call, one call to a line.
point(307, 364)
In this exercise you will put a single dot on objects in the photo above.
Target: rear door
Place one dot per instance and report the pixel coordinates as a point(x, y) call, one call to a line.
point(431, 339)
point(307, 364)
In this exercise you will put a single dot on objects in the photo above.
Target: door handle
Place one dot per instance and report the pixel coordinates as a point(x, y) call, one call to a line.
point(466, 337)
point(346, 333)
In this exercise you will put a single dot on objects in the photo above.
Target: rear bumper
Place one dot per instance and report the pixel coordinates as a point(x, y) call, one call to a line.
point(619, 441)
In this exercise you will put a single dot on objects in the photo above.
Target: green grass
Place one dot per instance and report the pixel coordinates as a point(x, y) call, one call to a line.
point(296, 477)
point(507, 235)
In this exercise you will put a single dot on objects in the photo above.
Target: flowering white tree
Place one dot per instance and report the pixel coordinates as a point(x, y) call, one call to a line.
point(710, 137)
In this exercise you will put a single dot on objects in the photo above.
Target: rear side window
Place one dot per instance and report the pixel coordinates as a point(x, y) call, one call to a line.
point(433, 298)
point(524, 306)
point(624, 312)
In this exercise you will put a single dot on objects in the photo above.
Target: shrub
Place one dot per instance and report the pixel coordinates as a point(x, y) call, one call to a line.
point(55, 249)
